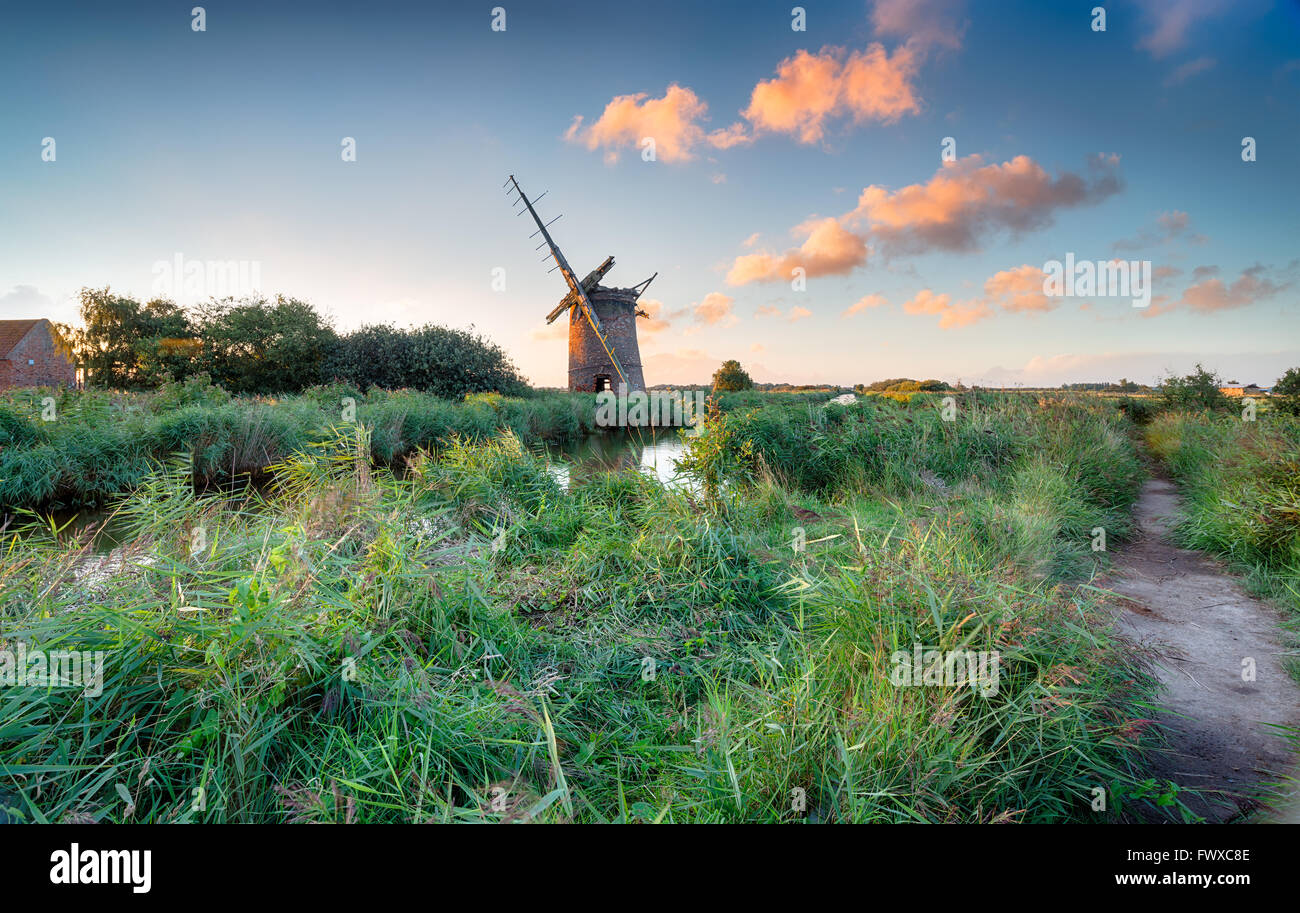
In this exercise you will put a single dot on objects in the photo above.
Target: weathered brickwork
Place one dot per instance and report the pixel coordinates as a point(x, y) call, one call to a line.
point(29, 356)
point(616, 310)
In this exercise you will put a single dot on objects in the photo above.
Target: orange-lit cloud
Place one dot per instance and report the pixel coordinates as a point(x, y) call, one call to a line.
point(1019, 289)
point(927, 302)
point(735, 135)
point(1214, 294)
point(715, 309)
point(656, 319)
point(809, 90)
point(1170, 226)
point(672, 121)
point(551, 332)
point(863, 303)
point(1014, 290)
point(968, 199)
point(1171, 20)
point(797, 313)
point(829, 250)
point(962, 204)
point(921, 22)
point(951, 314)
point(693, 366)
point(1209, 294)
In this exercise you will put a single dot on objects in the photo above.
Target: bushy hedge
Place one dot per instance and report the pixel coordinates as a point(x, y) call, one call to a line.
point(260, 346)
point(437, 360)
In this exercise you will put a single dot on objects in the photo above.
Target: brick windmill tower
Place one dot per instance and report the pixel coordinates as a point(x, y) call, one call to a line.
point(603, 351)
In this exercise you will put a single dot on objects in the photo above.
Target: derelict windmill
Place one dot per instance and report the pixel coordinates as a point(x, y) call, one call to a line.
point(603, 352)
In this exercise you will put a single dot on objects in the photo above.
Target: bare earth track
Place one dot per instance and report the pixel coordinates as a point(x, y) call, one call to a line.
point(1199, 625)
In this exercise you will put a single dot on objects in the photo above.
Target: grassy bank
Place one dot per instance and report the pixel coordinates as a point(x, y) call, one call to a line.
point(1241, 486)
point(79, 449)
point(1034, 479)
point(472, 642)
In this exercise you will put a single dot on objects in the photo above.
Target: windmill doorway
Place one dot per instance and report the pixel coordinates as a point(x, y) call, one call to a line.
point(602, 383)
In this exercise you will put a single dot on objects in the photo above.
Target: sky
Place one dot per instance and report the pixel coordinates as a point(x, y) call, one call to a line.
point(866, 190)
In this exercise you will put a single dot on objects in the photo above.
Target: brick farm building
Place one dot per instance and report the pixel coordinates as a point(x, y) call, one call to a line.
point(32, 356)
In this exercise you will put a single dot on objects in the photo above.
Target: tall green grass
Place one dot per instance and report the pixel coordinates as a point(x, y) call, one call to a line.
point(1038, 479)
point(472, 642)
point(95, 445)
point(1241, 486)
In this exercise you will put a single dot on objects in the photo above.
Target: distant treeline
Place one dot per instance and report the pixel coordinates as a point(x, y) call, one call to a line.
point(1123, 385)
point(280, 345)
point(892, 385)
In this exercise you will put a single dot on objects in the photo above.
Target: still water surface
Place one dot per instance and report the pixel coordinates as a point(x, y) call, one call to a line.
point(654, 452)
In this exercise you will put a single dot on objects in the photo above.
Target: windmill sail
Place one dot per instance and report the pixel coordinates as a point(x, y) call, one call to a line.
point(576, 289)
point(592, 280)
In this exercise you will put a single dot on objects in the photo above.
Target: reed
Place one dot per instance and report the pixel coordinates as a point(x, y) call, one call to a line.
point(469, 641)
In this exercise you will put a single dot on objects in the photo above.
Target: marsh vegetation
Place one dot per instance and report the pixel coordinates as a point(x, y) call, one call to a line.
point(467, 639)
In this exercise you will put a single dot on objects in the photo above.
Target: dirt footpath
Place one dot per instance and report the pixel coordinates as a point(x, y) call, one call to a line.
point(1199, 625)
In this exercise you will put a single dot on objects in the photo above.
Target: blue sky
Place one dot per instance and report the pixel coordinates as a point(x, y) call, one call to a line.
point(225, 145)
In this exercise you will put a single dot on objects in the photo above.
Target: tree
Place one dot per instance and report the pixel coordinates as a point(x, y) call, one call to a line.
point(435, 359)
point(1196, 391)
point(731, 376)
point(258, 346)
point(1287, 392)
point(127, 345)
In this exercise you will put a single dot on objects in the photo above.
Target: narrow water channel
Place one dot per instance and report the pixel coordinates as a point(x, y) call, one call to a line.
point(654, 452)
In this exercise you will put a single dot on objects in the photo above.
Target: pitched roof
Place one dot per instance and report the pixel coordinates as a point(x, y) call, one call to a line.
point(12, 333)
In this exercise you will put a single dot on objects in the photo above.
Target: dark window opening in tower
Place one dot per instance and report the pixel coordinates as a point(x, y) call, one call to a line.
point(602, 383)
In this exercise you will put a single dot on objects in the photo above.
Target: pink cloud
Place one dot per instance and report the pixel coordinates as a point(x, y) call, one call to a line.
point(921, 22)
point(829, 250)
point(551, 332)
point(951, 314)
point(1019, 289)
point(963, 202)
point(727, 137)
point(1215, 295)
point(1014, 290)
point(1170, 226)
point(656, 320)
point(715, 309)
point(692, 366)
point(863, 303)
point(1209, 294)
point(672, 121)
point(966, 199)
point(927, 302)
point(810, 90)
point(1171, 20)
